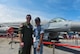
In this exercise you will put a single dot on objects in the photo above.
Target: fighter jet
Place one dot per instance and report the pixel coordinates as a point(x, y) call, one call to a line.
point(5, 27)
point(62, 25)
point(57, 25)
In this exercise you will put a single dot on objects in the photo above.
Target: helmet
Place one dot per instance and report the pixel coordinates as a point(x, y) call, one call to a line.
point(37, 19)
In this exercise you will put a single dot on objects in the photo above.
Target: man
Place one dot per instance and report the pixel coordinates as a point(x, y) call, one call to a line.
point(25, 32)
point(38, 36)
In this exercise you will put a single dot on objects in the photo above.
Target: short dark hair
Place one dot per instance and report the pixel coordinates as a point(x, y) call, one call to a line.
point(28, 15)
point(37, 19)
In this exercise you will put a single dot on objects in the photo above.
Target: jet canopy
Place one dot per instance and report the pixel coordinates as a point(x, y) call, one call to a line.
point(57, 20)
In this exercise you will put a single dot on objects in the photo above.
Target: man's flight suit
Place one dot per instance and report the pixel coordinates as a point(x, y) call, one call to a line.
point(26, 30)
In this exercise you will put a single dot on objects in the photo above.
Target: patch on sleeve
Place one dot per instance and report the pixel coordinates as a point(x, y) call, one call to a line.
point(21, 25)
point(42, 30)
point(20, 28)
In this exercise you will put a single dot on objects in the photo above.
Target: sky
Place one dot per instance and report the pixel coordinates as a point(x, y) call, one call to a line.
point(16, 10)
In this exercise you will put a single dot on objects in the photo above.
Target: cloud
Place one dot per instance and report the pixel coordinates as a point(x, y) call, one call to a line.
point(8, 14)
point(16, 14)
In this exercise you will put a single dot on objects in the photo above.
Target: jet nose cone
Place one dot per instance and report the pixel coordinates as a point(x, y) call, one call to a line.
point(10, 30)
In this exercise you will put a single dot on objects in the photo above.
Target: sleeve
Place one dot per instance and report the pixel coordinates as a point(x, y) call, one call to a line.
point(42, 30)
point(32, 30)
point(20, 30)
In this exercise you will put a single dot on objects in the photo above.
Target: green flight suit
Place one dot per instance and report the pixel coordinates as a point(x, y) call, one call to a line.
point(27, 31)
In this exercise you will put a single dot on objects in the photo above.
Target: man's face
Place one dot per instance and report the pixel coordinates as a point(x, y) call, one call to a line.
point(28, 18)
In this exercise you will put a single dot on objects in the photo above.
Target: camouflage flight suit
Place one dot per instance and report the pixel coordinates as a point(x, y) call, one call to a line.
point(27, 31)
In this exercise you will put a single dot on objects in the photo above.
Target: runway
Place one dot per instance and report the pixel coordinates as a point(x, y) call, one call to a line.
point(5, 48)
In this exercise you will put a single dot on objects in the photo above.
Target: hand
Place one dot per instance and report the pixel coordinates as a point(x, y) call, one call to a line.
point(38, 48)
point(22, 44)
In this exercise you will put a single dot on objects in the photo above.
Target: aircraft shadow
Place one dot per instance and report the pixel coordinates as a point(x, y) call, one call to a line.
point(68, 49)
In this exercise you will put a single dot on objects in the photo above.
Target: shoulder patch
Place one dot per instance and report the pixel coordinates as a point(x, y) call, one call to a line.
point(21, 25)
point(25, 23)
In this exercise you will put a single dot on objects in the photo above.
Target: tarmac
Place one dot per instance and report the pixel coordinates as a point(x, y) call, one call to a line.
point(5, 47)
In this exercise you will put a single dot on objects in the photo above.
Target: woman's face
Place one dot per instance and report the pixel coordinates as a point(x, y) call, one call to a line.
point(37, 22)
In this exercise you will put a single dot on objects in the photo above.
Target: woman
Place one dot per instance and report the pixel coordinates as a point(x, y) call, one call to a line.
point(38, 34)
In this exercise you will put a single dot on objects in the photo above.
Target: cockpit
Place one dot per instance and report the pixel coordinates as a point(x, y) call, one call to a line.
point(57, 20)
